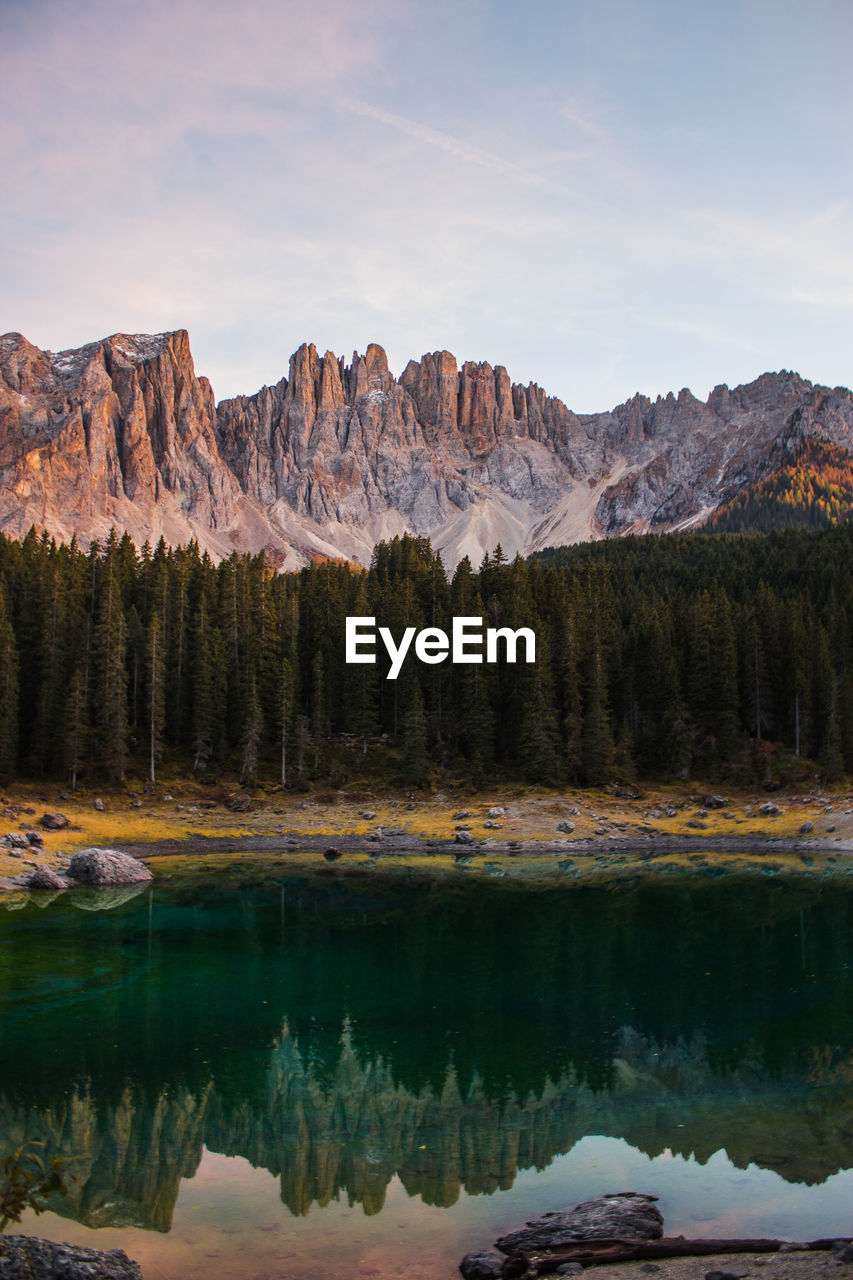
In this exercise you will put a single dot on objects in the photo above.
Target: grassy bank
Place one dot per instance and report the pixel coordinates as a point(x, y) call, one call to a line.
point(603, 823)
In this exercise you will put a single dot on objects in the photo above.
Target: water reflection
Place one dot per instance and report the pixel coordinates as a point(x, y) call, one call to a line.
point(343, 1039)
point(349, 1130)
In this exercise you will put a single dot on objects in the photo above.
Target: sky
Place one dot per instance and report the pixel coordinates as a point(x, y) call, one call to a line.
point(605, 196)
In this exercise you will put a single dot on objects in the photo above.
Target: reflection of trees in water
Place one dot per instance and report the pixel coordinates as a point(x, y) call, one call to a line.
point(510, 982)
point(481, 1033)
point(347, 1126)
point(124, 1161)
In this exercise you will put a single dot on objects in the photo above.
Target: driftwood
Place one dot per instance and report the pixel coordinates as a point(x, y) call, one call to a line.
point(625, 1216)
point(592, 1253)
point(624, 1226)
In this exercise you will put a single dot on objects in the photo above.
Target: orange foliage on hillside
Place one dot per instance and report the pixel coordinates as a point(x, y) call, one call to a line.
point(813, 488)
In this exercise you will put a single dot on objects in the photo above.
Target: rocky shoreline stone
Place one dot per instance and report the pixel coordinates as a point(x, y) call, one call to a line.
point(31, 1258)
point(625, 1215)
point(107, 867)
point(45, 878)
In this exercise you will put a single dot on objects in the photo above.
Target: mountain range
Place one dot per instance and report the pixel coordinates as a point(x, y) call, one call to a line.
point(333, 458)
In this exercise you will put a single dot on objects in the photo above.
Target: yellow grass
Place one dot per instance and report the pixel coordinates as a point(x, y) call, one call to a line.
point(531, 816)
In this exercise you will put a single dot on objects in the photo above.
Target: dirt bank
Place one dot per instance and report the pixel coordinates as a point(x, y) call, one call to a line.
point(774, 1266)
point(565, 832)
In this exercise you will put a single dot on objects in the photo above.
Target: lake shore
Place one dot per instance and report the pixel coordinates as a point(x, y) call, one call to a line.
point(221, 850)
point(508, 831)
point(769, 1266)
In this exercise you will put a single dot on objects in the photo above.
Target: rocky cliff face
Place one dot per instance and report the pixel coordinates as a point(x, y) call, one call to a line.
point(120, 432)
point(334, 457)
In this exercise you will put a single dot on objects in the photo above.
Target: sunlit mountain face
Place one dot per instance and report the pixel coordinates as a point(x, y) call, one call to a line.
point(337, 457)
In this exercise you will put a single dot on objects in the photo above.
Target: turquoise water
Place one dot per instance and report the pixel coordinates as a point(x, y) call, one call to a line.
point(314, 1077)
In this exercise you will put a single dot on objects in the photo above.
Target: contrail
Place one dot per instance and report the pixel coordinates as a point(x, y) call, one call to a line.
point(454, 146)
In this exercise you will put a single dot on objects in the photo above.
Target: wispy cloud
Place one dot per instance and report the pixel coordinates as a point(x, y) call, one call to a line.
point(520, 195)
point(453, 146)
point(583, 123)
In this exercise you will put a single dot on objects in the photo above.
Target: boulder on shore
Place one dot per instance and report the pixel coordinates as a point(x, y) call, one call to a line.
point(45, 878)
point(628, 1215)
point(239, 803)
point(29, 1258)
point(484, 1264)
point(53, 821)
point(107, 866)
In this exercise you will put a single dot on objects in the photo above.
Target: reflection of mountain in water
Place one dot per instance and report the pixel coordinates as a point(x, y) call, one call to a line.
point(124, 1163)
point(348, 1126)
point(481, 1032)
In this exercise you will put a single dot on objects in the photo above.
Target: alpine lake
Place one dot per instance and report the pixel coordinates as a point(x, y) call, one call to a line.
point(267, 1074)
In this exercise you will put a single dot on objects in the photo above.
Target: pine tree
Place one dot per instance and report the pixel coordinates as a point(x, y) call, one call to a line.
point(137, 664)
point(415, 757)
point(570, 702)
point(232, 623)
point(538, 737)
point(75, 726)
point(362, 698)
point(824, 685)
point(175, 642)
point(109, 689)
point(597, 735)
point(303, 743)
point(9, 667)
point(155, 700)
point(830, 758)
point(286, 704)
point(480, 727)
point(713, 675)
point(660, 726)
point(253, 729)
point(318, 708)
point(52, 658)
point(755, 699)
point(209, 700)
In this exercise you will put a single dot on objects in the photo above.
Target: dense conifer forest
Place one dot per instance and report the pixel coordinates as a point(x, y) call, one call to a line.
point(724, 656)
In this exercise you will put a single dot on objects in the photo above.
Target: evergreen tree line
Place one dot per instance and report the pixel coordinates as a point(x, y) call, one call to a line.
point(726, 656)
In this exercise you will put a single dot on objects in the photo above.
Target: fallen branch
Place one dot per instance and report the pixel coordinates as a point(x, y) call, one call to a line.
point(590, 1253)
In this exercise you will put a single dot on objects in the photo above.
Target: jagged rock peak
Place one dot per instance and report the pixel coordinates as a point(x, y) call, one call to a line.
point(135, 346)
point(118, 432)
point(138, 347)
point(335, 456)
